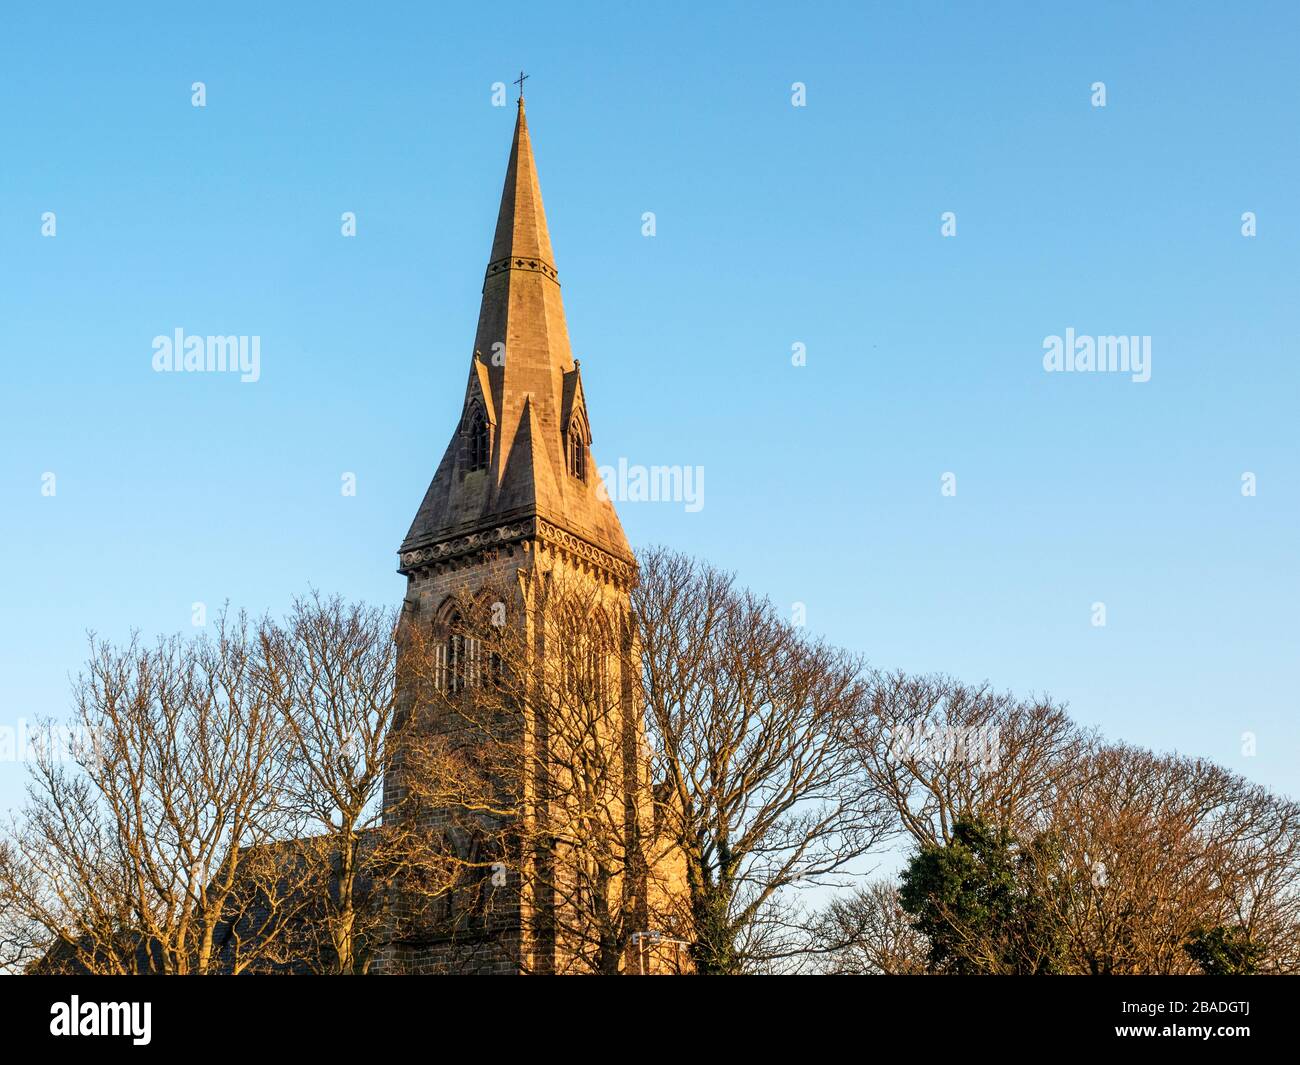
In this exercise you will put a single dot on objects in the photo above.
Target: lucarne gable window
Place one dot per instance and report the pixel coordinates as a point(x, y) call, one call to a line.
point(577, 454)
point(477, 442)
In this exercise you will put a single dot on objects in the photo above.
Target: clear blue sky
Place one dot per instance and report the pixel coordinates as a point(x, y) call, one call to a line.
point(775, 225)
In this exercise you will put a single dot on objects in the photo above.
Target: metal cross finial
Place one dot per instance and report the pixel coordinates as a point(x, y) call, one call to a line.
point(520, 82)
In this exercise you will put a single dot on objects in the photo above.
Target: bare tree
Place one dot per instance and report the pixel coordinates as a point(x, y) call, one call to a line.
point(1121, 856)
point(331, 671)
point(751, 726)
point(867, 933)
point(935, 749)
point(142, 852)
point(1150, 849)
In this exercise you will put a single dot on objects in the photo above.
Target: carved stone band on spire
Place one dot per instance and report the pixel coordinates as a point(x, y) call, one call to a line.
point(539, 266)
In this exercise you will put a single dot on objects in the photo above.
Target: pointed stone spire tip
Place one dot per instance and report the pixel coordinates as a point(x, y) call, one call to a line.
point(521, 240)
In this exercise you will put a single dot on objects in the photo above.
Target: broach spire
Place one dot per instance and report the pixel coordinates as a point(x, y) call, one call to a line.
point(522, 448)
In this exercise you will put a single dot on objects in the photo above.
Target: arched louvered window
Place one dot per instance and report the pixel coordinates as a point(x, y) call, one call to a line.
point(464, 662)
point(577, 454)
point(587, 660)
point(592, 679)
point(453, 657)
point(478, 440)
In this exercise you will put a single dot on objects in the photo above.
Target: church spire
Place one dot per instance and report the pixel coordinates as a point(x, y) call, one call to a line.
point(524, 402)
point(521, 232)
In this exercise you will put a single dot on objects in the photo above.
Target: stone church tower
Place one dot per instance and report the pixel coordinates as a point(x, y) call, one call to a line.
point(515, 503)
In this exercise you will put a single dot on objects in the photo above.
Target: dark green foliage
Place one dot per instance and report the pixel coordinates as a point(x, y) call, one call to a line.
point(1225, 951)
point(974, 900)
